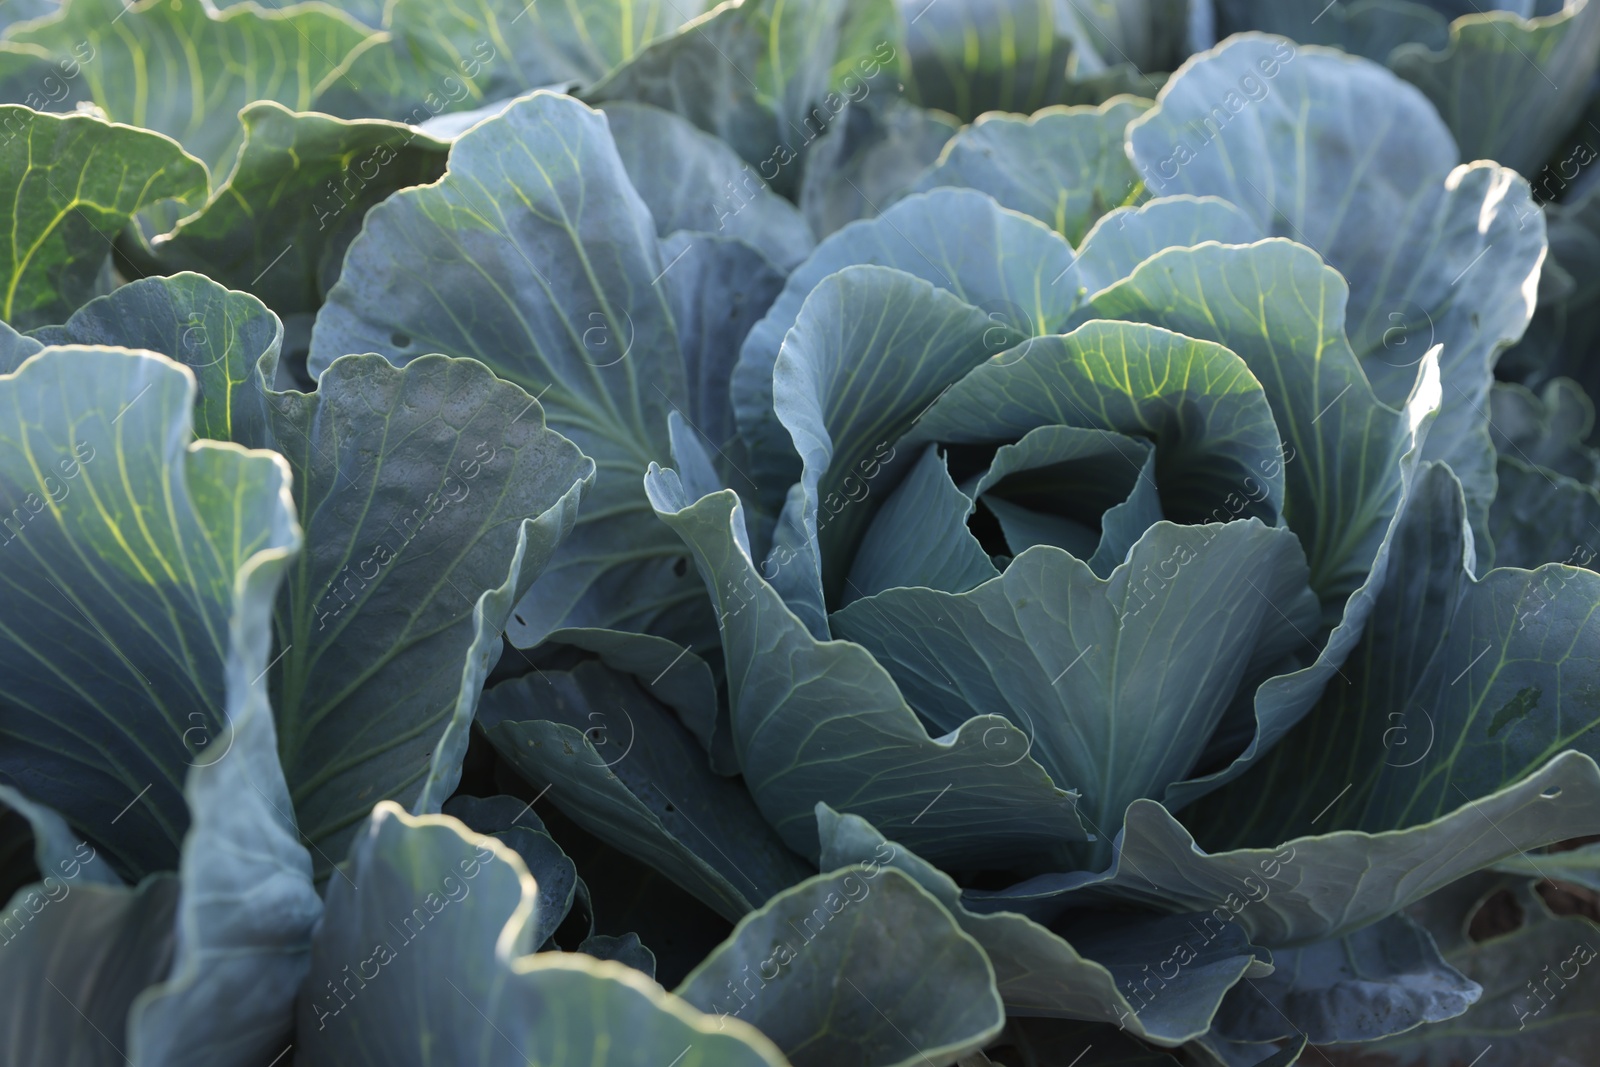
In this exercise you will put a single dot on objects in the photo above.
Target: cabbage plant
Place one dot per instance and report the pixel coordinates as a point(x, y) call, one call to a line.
point(797, 533)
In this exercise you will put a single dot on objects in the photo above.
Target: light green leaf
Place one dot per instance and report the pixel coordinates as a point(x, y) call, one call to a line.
point(442, 922)
point(1216, 438)
point(1127, 236)
point(129, 542)
point(1062, 165)
point(1040, 973)
point(462, 53)
point(74, 181)
point(432, 495)
point(597, 344)
point(821, 720)
point(972, 56)
point(619, 764)
point(279, 226)
point(1281, 310)
point(921, 990)
point(185, 69)
point(1347, 458)
point(220, 335)
point(167, 571)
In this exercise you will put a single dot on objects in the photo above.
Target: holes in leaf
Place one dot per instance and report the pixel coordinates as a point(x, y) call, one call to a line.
point(1497, 916)
point(400, 339)
point(1551, 793)
point(681, 567)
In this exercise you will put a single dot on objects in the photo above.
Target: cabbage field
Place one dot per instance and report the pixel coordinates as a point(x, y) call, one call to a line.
point(832, 533)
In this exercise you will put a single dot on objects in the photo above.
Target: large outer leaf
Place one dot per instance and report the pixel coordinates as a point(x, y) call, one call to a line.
point(433, 495)
point(1313, 888)
point(1093, 670)
point(1040, 973)
point(921, 990)
point(999, 261)
point(821, 720)
point(233, 928)
point(426, 963)
point(128, 545)
point(619, 764)
point(754, 73)
point(279, 226)
point(1062, 165)
point(185, 69)
point(1509, 87)
point(1502, 673)
point(1340, 154)
point(546, 271)
point(470, 51)
point(73, 181)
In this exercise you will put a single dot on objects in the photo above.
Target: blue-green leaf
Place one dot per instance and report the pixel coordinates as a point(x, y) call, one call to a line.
point(921, 990)
point(821, 720)
point(596, 345)
point(692, 181)
point(1062, 165)
point(1038, 972)
point(1383, 979)
point(619, 764)
point(1092, 670)
point(424, 958)
point(1001, 262)
point(1434, 254)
